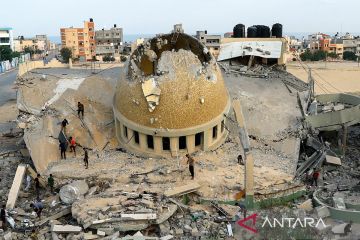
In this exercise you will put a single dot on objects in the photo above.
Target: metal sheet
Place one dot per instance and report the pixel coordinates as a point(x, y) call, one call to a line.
point(264, 49)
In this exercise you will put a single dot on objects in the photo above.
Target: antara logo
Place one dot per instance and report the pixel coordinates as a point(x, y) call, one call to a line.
point(283, 222)
point(251, 217)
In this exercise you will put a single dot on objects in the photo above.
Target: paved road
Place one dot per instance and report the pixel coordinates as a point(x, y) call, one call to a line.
point(7, 91)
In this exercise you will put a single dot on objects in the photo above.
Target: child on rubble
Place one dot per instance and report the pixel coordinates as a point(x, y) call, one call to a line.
point(72, 145)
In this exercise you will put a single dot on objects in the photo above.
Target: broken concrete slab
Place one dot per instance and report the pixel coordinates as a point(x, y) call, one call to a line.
point(60, 214)
point(339, 202)
point(33, 174)
point(343, 228)
point(339, 107)
point(322, 211)
point(148, 216)
point(100, 233)
point(181, 190)
point(167, 237)
point(65, 229)
point(307, 205)
point(15, 187)
point(333, 160)
point(90, 236)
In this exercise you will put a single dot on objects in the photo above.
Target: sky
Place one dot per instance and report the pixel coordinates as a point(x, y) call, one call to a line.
point(31, 17)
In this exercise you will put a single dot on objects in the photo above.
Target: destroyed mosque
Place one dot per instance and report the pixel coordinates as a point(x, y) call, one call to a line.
point(171, 99)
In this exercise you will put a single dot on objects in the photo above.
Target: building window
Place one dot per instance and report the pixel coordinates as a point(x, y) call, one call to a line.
point(182, 142)
point(125, 132)
point(198, 138)
point(150, 141)
point(166, 143)
point(136, 136)
point(222, 125)
point(214, 132)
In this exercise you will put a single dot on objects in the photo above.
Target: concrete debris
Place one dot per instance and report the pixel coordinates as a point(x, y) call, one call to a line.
point(307, 205)
point(322, 212)
point(151, 92)
point(15, 188)
point(343, 228)
point(339, 202)
point(149, 216)
point(73, 191)
point(333, 160)
point(178, 191)
point(101, 233)
point(65, 229)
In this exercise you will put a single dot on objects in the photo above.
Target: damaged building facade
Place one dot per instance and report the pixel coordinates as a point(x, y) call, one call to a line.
point(171, 99)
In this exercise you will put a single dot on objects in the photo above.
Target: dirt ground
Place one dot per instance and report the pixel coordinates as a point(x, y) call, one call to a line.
point(330, 77)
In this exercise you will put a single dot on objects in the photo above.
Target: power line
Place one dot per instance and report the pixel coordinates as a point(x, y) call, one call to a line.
point(327, 82)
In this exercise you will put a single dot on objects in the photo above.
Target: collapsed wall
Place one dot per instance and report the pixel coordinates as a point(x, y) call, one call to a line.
point(45, 102)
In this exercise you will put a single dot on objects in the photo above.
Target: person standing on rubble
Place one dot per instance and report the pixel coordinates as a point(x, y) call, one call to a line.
point(28, 182)
point(37, 186)
point(63, 125)
point(51, 183)
point(86, 158)
point(191, 162)
point(72, 145)
point(240, 160)
point(3, 217)
point(63, 146)
point(80, 110)
point(38, 206)
point(315, 177)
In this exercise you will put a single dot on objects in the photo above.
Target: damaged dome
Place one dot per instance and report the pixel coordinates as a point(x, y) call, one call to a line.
point(171, 81)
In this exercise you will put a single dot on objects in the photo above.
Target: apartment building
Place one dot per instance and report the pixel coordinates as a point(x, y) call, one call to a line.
point(80, 40)
point(212, 42)
point(6, 37)
point(109, 42)
point(337, 46)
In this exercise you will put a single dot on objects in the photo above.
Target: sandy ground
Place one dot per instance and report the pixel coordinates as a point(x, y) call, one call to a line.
point(330, 77)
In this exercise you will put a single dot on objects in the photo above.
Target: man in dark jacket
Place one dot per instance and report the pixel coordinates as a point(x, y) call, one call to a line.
point(80, 110)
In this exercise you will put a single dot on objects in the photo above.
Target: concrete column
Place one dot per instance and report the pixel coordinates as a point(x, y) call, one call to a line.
point(174, 146)
point(131, 135)
point(219, 131)
point(207, 139)
point(190, 143)
point(118, 129)
point(249, 180)
point(344, 138)
point(158, 144)
point(143, 141)
point(70, 63)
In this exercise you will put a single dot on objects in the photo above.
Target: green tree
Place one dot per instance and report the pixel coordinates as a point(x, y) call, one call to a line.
point(350, 56)
point(66, 54)
point(16, 54)
point(332, 55)
point(319, 55)
point(30, 50)
point(306, 56)
point(5, 53)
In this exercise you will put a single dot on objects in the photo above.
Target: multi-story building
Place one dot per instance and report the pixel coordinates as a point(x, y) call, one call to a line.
point(6, 37)
point(80, 40)
point(350, 45)
point(212, 42)
point(337, 46)
point(109, 42)
point(34, 43)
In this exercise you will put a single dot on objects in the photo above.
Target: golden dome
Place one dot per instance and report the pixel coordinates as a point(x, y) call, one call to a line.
point(171, 82)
